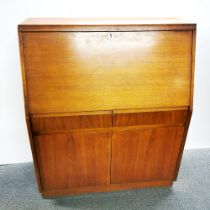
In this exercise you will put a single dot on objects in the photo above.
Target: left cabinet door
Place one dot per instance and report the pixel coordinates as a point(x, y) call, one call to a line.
point(73, 160)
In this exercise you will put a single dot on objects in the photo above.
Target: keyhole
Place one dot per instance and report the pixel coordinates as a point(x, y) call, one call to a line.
point(110, 35)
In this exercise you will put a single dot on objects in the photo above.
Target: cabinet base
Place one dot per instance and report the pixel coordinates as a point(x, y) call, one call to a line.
point(105, 188)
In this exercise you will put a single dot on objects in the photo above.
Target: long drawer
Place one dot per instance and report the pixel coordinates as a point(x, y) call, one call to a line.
point(129, 118)
point(107, 120)
point(69, 121)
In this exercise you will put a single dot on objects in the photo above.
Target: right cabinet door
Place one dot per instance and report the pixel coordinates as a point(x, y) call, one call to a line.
point(145, 155)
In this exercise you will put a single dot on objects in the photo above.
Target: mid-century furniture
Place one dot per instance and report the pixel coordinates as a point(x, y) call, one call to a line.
point(108, 102)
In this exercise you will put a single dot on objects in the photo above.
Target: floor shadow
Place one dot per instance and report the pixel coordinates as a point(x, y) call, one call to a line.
point(131, 199)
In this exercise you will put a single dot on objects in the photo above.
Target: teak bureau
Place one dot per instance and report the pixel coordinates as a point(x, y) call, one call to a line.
point(108, 102)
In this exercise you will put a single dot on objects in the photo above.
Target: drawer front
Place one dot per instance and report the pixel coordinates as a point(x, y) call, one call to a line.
point(145, 155)
point(73, 160)
point(77, 71)
point(146, 118)
point(75, 121)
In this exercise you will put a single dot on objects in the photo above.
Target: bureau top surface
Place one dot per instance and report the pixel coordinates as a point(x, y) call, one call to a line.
point(101, 24)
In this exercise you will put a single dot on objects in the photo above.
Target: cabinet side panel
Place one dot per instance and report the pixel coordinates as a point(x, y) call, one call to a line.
point(193, 66)
point(190, 112)
point(26, 107)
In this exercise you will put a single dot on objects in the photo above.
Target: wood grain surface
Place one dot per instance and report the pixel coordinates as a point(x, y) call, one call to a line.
point(69, 72)
point(146, 155)
point(108, 102)
point(145, 118)
point(42, 124)
point(104, 24)
point(74, 160)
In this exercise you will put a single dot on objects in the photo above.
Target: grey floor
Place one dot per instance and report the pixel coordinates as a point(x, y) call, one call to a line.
point(18, 190)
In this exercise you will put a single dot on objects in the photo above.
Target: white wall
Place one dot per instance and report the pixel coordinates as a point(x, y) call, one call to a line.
point(14, 144)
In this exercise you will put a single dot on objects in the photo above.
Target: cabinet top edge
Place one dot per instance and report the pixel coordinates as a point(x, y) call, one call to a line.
point(103, 24)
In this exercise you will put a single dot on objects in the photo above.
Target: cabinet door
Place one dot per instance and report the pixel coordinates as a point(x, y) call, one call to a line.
point(73, 160)
point(145, 155)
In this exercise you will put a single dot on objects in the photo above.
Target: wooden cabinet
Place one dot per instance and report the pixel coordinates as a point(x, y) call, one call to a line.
point(108, 102)
point(73, 159)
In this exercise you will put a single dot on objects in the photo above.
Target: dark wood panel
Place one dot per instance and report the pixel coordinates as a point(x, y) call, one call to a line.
point(161, 117)
point(73, 160)
point(145, 155)
point(74, 72)
point(77, 121)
